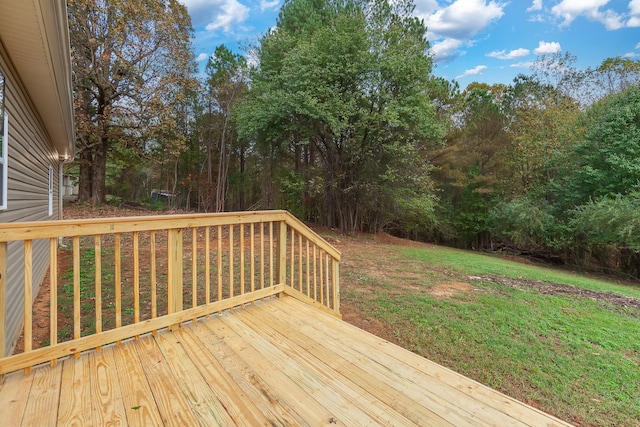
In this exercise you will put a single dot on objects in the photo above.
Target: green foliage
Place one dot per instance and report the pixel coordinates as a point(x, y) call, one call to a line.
point(342, 95)
point(618, 74)
point(526, 224)
point(607, 159)
point(612, 220)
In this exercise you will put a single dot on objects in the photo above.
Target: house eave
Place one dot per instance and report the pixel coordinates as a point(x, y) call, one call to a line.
point(35, 35)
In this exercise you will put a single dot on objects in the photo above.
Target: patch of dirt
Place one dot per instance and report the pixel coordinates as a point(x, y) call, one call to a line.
point(450, 289)
point(549, 288)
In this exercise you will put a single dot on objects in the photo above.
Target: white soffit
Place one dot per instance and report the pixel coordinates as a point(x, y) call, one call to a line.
point(35, 35)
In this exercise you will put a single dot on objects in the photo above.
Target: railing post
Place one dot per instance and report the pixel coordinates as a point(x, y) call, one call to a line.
point(335, 281)
point(281, 253)
point(174, 270)
point(3, 298)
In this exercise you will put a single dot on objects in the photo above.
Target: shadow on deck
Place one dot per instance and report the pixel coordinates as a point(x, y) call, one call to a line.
point(275, 362)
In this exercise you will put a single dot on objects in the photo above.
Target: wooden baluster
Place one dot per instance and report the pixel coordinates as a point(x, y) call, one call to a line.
point(292, 263)
point(335, 281)
point(153, 278)
point(28, 298)
point(252, 254)
point(136, 279)
point(231, 284)
point(219, 263)
point(281, 262)
point(3, 298)
point(315, 273)
point(76, 289)
point(242, 259)
point(194, 268)
point(326, 278)
point(175, 282)
point(118, 280)
point(299, 262)
point(97, 278)
point(271, 253)
point(53, 295)
point(321, 278)
point(207, 265)
point(307, 271)
point(261, 255)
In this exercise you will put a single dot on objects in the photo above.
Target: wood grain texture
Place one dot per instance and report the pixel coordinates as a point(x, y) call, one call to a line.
point(275, 362)
point(75, 394)
point(106, 396)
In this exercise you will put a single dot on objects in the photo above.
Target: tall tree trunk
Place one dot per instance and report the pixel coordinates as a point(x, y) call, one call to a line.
point(86, 171)
point(223, 169)
point(99, 169)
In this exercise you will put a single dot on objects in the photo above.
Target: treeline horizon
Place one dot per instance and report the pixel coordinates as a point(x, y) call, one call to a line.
point(341, 121)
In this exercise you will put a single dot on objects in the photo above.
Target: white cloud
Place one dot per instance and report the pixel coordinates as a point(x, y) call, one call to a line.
point(526, 64)
point(463, 19)
point(536, 5)
point(451, 27)
point(545, 48)
point(634, 12)
point(217, 14)
point(516, 53)
point(445, 50)
point(638, 46)
point(473, 71)
point(424, 8)
point(202, 57)
point(266, 4)
point(569, 10)
point(232, 13)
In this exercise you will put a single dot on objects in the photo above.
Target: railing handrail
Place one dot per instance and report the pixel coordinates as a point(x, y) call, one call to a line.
point(327, 297)
point(84, 227)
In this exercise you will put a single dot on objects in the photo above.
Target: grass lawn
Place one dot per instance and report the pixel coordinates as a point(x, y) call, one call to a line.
point(575, 356)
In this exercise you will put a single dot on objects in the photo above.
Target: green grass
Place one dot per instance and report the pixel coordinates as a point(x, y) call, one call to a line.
point(471, 263)
point(575, 357)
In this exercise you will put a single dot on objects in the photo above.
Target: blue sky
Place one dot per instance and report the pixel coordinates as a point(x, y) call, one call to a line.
point(489, 41)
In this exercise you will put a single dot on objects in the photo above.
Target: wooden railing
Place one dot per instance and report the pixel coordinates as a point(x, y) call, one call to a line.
point(116, 278)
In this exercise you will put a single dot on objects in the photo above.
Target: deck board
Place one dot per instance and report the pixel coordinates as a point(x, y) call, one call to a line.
point(43, 395)
point(278, 362)
point(14, 396)
point(139, 405)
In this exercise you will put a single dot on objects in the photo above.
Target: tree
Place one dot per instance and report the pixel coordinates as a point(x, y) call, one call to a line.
point(542, 123)
point(605, 162)
point(226, 82)
point(130, 60)
point(618, 74)
point(470, 169)
point(342, 93)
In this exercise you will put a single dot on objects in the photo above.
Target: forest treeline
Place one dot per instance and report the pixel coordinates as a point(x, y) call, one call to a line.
point(336, 115)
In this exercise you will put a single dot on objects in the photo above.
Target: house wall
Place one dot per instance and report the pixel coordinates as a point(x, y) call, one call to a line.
point(29, 157)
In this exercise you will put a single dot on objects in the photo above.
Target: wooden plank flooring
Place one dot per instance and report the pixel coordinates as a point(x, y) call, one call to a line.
point(274, 363)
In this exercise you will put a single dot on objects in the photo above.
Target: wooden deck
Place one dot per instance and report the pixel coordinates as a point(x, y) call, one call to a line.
point(278, 362)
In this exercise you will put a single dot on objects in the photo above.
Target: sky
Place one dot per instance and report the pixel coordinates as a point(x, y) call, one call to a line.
point(489, 41)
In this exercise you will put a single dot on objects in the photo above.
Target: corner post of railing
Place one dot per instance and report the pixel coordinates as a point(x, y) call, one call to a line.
point(335, 281)
point(3, 298)
point(174, 270)
point(281, 253)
